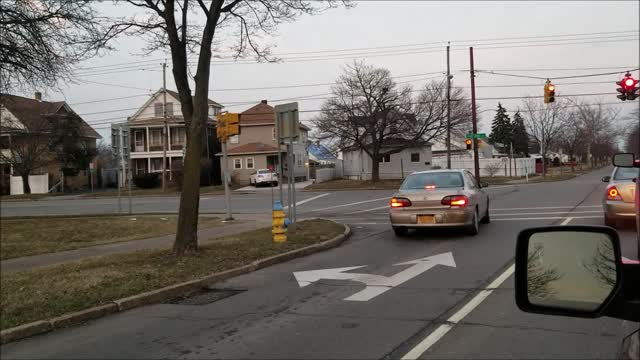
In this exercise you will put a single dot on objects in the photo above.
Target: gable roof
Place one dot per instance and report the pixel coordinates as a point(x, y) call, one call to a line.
point(262, 114)
point(396, 143)
point(31, 112)
point(171, 93)
point(320, 152)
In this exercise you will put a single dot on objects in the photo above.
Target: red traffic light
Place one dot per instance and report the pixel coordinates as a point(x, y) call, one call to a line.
point(629, 82)
point(551, 87)
point(468, 141)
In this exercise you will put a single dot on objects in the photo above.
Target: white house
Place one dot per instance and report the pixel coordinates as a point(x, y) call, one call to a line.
point(358, 164)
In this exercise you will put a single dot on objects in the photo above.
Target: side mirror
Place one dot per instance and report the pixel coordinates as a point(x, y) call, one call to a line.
point(623, 160)
point(484, 184)
point(606, 179)
point(567, 270)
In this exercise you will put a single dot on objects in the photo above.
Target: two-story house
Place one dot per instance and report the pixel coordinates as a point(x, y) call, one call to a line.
point(146, 143)
point(256, 148)
point(27, 127)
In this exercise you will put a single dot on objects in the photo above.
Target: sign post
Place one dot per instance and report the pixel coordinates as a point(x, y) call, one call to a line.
point(288, 127)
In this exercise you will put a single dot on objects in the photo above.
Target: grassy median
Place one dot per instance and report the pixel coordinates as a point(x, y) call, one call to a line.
point(48, 292)
point(25, 237)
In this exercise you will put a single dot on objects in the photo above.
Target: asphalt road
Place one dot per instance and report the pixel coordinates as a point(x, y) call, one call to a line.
point(274, 317)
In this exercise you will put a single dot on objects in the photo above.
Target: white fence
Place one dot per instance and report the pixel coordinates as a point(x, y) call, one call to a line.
point(325, 174)
point(499, 167)
point(39, 184)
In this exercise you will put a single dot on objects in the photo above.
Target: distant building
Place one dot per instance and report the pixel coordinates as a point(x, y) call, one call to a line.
point(319, 154)
point(358, 164)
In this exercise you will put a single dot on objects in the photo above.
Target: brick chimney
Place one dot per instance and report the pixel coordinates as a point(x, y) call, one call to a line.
point(263, 102)
point(38, 95)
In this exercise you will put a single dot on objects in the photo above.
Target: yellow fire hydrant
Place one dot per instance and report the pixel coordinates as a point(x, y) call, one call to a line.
point(279, 223)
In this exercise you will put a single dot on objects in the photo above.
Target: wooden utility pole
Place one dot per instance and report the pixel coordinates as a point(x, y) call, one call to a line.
point(448, 111)
point(476, 161)
point(164, 127)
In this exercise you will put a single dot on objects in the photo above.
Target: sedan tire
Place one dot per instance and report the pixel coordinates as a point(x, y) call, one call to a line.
point(486, 219)
point(400, 231)
point(474, 228)
point(610, 222)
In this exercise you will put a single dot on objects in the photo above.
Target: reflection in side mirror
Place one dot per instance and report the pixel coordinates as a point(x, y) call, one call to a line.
point(623, 160)
point(606, 179)
point(484, 184)
point(567, 270)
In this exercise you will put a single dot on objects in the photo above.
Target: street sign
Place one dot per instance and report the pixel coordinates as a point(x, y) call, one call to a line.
point(476, 136)
point(375, 284)
point(115, 140)
point(287, 119)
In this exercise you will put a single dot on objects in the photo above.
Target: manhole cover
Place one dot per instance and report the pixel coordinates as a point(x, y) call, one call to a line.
point(204, 296)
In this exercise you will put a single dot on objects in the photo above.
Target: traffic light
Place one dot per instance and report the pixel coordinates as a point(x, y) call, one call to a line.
point(549, 92)
point(468, 142)
point(628, 89)
point(221, 128)
point(228, 125)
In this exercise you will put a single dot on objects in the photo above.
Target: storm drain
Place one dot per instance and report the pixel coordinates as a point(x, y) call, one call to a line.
point(204, 296)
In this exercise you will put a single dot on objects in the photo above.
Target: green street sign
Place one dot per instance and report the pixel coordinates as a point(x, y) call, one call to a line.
point(476, 136)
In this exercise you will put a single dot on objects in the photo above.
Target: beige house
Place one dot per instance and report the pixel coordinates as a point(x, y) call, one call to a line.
point(256, 148)
point(146, 145)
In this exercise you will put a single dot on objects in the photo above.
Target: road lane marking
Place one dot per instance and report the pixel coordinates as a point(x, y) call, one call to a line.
point(546, 207)
point(298, 203)
point(351, 204)
point(368, 210)
point(454, 319)
point(551, 212)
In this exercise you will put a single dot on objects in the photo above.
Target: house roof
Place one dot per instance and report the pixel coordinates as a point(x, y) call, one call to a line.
point(261, 114)
point(320, 152)
point(252, 148)
point(31, 112)
point(150, 100)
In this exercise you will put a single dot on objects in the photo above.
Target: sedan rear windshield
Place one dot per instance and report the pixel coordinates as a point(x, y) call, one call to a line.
point(264, 171)
point(436, 180)
point(626, 173)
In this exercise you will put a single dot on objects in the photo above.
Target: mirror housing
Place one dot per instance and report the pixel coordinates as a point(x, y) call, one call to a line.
point(592, 282)
point(624, 160)
point(606, 179)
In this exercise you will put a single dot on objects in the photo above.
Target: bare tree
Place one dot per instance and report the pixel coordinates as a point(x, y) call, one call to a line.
point(633, 136)
point(571, 139)
point(190, 27)
point(28, 150)
point(493, 168)
point(368, 109)
point(544, 123)
point(41, 40)
point(600, 130)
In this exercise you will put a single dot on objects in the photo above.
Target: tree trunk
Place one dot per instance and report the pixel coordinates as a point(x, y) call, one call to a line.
point(375, 168)
point(187, 231)
point(25, 184)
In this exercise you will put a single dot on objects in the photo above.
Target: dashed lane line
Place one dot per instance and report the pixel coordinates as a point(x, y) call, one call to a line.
point(350, 204)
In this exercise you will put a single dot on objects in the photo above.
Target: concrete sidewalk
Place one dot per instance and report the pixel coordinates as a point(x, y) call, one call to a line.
point(242, 223)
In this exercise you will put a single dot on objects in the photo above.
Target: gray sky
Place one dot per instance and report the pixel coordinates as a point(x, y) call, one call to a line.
point(375, 24)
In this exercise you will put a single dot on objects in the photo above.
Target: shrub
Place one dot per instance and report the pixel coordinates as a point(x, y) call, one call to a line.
point(146, 181)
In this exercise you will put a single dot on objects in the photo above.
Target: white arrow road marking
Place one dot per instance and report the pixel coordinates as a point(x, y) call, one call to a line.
point(298, 203)
point(376, 284)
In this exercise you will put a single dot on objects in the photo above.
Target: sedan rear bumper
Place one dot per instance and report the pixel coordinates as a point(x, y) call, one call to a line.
point(441, 218)
point(619, 209)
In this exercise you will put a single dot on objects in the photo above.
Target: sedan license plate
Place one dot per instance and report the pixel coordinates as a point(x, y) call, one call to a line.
point(426, 219)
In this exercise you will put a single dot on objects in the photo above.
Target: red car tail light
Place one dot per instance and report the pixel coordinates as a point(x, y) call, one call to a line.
point(399, 202)
point(455, 200)
point(613, 194)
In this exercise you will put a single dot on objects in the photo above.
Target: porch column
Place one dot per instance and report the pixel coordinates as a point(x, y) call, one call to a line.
point(148, 142)
point(148, 162)
point(170, 172)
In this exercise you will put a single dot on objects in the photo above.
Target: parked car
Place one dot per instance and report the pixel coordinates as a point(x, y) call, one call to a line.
point(439, 198)
point(617, 201)
point(263, 177)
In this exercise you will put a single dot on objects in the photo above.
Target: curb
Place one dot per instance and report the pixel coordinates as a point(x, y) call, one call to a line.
point(159, 295)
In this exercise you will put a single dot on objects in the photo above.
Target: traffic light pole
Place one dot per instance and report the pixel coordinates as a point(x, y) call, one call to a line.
point(227, 193)
point(448, 112)
point(476, 161)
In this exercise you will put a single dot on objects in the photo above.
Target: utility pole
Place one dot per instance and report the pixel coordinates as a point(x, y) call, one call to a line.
point(448, 111)
point(227, 193)
point(476, 161)
point(164, 128)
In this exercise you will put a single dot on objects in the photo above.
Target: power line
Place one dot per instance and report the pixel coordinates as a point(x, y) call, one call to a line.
point(115, 85)
point(110, 99)
point(554, 77)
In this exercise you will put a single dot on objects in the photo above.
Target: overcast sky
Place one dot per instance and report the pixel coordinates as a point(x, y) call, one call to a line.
point(378, 24)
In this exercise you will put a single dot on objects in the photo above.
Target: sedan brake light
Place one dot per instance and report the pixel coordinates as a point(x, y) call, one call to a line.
point(455, 200)
point(399, 202)
point(613, 194)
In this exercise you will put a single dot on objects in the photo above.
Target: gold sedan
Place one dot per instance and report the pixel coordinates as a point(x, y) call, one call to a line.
point(439, 198)
point(617, 202)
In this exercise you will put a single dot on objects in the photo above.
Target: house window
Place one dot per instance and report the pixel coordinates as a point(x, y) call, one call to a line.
point(139, 140)
point(415, 157)
point(155, 137)
point(178, 136)
point(156, 165)
point(249, 163)
point(385, 158)
point(234, 139)
point(237, 163)
point(273, 133)
point(157, 107)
